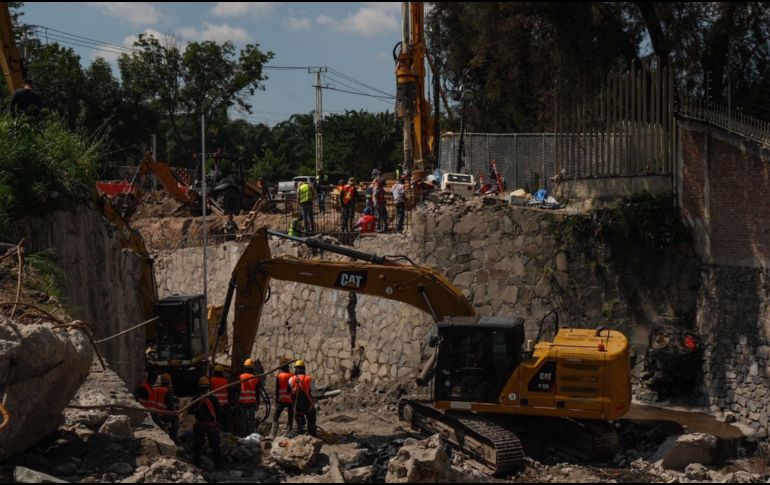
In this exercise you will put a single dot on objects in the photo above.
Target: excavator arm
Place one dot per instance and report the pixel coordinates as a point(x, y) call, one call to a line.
point(418, 286)
point(10, 60)
point(163, 173)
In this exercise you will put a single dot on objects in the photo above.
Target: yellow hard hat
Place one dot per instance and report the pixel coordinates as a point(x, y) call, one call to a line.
point(204, 382)
point(299, 363)
point(248, 363)
point(219, 368)
point(165, 378)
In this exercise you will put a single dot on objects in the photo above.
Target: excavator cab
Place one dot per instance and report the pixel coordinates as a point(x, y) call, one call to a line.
point(182, 331)
point(476, 357)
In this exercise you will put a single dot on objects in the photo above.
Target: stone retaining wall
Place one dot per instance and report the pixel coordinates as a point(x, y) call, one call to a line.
point(506, 260)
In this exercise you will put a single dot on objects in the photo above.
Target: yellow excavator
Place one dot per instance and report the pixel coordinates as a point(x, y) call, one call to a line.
point(489, 383)
point(10, 59)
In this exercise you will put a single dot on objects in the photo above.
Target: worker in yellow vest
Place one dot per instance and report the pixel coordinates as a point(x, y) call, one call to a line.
point(248, 399)
point(305, 197)
point(165, 400)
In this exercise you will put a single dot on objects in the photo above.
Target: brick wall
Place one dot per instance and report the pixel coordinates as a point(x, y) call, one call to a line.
point(724, 190)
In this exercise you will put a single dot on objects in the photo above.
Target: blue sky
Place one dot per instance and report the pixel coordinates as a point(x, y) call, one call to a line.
point(355, 39)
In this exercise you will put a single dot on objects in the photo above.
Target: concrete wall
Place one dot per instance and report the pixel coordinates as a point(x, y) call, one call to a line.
point(101, 281)
point(505, 259)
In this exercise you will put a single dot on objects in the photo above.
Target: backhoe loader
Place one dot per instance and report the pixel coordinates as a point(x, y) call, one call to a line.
point(489, 383)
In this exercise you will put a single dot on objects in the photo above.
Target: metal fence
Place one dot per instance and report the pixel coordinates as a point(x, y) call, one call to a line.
point(329, 221)
point(526, 160)
point(733, 120)
point(627, 128)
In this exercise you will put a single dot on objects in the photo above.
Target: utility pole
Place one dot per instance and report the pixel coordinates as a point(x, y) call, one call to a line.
point(204, 310)
point(319, 140)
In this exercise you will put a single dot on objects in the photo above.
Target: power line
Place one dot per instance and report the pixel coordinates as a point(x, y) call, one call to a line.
point(358, 93)
point(79, 38)
point(338, 81)
point(76, 44)
point(355, 81)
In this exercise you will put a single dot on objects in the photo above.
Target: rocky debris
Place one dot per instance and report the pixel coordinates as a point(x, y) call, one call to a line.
point(362, 474)
point(120, 468)
point(239, 450)
point(44, 368)
point(743, 477)
point(679, 451)
point(117, 427)
point(696, 472)
point(103, 388)
point(298, 453)
point(26, 475)
point(166, 470)
point(423, 461)
point(350, 454)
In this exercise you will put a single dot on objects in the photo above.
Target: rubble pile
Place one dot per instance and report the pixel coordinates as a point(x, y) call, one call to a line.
point(166, 470)
point(44, 367)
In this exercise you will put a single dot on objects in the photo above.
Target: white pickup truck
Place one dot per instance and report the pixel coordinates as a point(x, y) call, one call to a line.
point(286, 189)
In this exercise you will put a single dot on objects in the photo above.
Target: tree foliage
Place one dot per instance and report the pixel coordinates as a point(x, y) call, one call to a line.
point(515, 56)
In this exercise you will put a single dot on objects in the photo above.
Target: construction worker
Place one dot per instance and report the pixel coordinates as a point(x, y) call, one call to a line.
point(367, 223)
point(144, 393)
point(283, 398)
point(165, 400)
point(206, 426)
point(219, 384)
point(305, 197)
point(295, 227)
point(247, 401)
point(322, 184)
point(399, 200)
point(348, 203)
point(25, 101)
point(301, 386)
point(231, 228)
point(380, 206)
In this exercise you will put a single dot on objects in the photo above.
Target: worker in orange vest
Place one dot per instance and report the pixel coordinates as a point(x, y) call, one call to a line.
point(206, 426)
point(301, 386)
point(283, 398)
point(219, 385)
point(165, 400)
point(248, 399)
point(144, 393)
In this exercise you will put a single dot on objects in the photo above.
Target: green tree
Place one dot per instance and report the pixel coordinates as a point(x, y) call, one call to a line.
point(200, 79)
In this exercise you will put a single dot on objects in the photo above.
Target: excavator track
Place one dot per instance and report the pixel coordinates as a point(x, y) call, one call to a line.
point(492, 445)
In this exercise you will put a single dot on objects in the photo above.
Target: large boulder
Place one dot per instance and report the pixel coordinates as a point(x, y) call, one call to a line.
point(422, 462)
point(677, 452)
point(297, 453)
point(44, 367)
point(117, 427)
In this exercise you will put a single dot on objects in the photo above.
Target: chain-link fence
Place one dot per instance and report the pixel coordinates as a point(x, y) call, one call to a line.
point(526, 160)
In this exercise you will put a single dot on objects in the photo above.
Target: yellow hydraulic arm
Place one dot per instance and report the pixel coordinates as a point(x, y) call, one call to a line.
point(415, 285)
point(163, 173)
point(10, 59)
point(411, 105)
